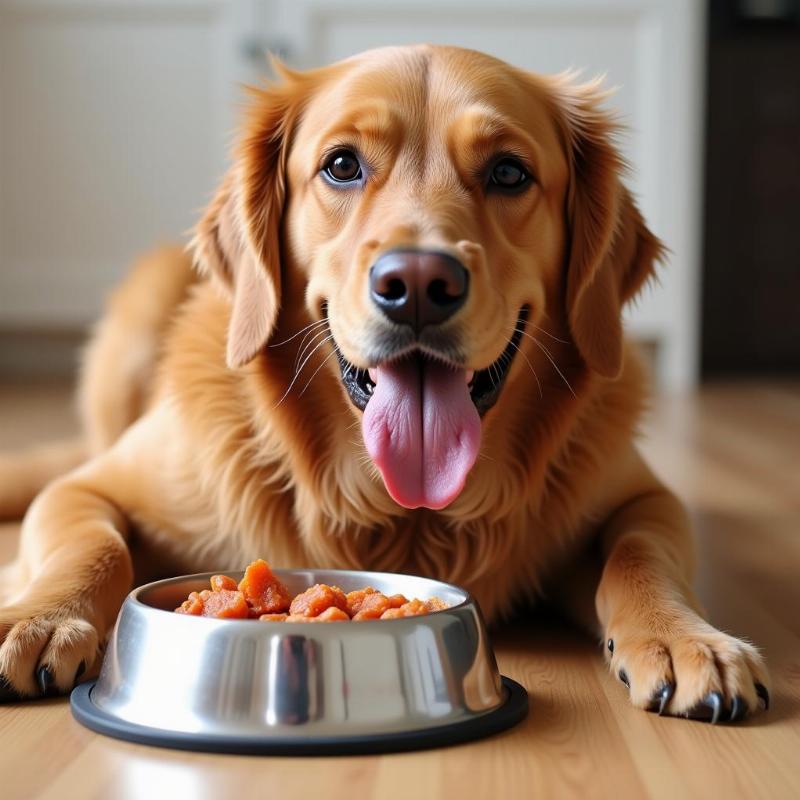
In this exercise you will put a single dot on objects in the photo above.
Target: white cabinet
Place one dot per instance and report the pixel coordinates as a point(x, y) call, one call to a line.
point(114, 121)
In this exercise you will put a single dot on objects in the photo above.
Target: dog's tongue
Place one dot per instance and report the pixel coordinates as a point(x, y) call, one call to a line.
point(422, 430)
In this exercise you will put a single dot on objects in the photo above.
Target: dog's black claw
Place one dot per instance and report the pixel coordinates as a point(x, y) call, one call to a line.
point(738, 709)
point(763, 694)
point(623, 676)
point(664, 696)
point(78, 672)
point(7, 694)
point(714, 702)
point(610, 645)
point(45, 679)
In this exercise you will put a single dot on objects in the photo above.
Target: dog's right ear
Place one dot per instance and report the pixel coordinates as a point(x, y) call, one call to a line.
point(237, 241)
point(612, 251)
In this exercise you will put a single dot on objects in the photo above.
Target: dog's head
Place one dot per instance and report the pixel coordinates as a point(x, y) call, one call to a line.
point(436, 211)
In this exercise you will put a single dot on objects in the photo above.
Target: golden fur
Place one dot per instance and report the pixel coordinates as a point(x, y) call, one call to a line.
point(202, 459)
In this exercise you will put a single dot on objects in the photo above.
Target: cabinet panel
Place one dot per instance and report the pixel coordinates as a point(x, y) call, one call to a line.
point(112, 135)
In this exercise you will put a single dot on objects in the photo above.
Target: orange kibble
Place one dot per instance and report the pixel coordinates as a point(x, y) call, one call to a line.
point(264, 593)
point(226, 604)
point(356, 598)
point(372, 607)
point(413, 608)
point(332, 614)
point(220, 582)
point(312, 602)
point(261, 595)
point(367, 600)
point(193, 605)
point(397, 600)
point(436, 604)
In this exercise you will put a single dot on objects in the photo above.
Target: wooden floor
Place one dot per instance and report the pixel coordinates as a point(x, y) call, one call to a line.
point(732, 452)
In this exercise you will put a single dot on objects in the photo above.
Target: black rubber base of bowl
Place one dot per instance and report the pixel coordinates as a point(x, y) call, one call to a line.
point(514, 710)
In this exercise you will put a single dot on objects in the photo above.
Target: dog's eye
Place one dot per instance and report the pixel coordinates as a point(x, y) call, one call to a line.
point(508, 173)
point(343, 167)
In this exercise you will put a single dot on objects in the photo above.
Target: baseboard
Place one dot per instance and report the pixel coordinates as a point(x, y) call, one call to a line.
point(40, 353)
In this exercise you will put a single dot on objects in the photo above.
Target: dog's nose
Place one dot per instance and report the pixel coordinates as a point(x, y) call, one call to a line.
point(418, 287)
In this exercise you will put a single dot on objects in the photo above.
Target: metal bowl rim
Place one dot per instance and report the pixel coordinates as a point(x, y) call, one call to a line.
point(133, 597)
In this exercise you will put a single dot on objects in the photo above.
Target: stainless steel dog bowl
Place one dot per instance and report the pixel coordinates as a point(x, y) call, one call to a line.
point(299, 688)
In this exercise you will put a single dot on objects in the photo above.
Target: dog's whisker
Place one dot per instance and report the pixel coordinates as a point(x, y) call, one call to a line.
point(497, 380)
point(563, 341)
point(555, 366)
point(534, 339)
point(308, 339)
point(506, 358)
point(299, 351)
point(311, 332)
point(520, 330)
point(549, 355)
point(324, 362)
point(298, 371)
point(312, 342)
point(295, 335)
point(319, 343)
point(527, 360)
point(310, 336)
point(491, 374)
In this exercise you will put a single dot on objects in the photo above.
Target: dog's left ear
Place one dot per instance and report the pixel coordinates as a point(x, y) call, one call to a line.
point(237, 241)
point(612, 252)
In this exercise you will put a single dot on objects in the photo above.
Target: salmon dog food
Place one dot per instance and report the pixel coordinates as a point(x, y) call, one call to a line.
point(261, 595)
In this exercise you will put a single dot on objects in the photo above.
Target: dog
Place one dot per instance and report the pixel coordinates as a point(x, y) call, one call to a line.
point(396, 345)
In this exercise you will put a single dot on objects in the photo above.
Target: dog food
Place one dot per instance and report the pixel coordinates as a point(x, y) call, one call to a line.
point(260, 595)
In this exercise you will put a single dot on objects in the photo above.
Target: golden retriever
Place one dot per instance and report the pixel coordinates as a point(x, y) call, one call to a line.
point(402, 350)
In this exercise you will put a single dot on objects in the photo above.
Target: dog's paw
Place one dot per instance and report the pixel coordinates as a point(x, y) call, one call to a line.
point(696, 672)
point(43, 653)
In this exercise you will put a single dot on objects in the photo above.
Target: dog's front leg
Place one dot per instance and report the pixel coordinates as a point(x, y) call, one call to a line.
point(657, 641)
point(71, 576)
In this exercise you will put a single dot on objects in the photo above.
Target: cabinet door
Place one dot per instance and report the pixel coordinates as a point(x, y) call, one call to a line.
point(114, 122)
point(650, 49)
